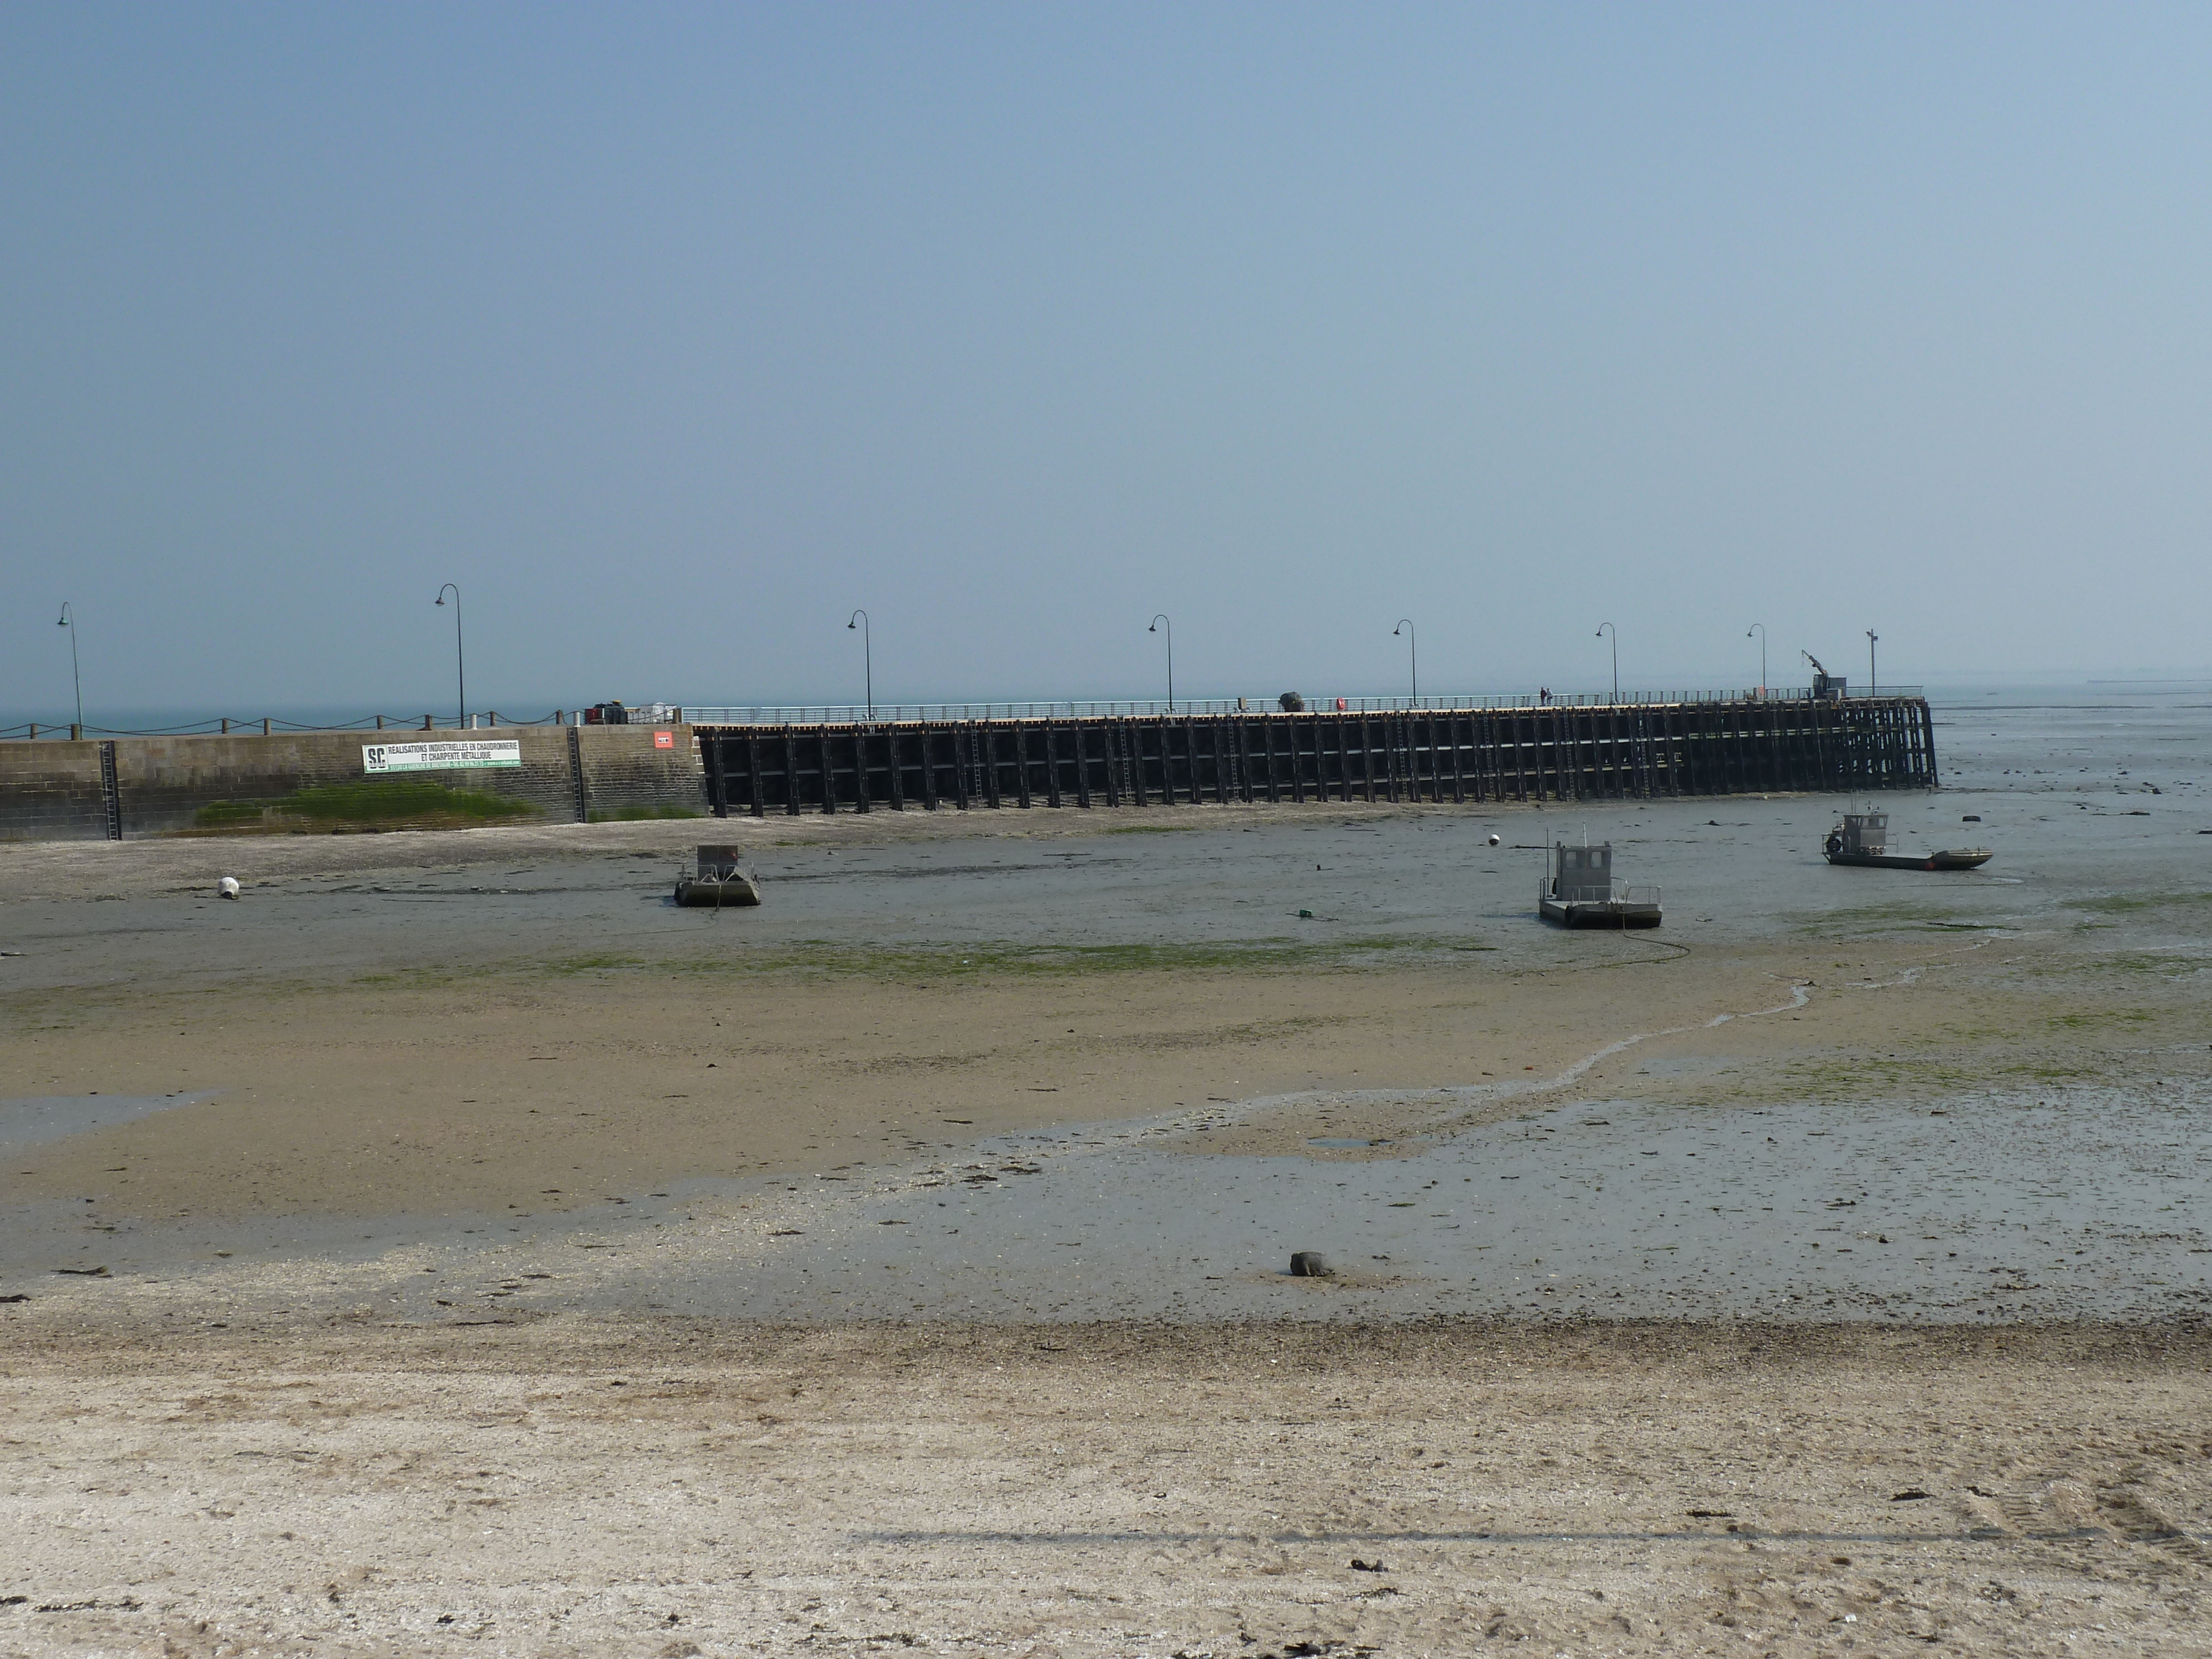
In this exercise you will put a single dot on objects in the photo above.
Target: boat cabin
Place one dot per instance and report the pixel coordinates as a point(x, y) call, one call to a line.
point(715, 862)
point(1582, 872)
point(1865, 832)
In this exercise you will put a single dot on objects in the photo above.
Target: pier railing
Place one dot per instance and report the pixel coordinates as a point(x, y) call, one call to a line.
point(946, 712)
point(270, 726)
point(1209, 707)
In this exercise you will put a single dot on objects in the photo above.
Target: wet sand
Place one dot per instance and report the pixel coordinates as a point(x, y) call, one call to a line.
point(509, 1051)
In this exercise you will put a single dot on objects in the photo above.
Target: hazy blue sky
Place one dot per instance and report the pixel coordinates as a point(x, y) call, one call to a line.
point(672, 333)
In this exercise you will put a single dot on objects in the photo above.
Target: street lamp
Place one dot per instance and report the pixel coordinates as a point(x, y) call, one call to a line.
point(1159, 617)
point(69, 620)
point(1871, 637)
point(860, 619)
point(1759, 629)
point(460, 667)
point(1413, 646)
point(1603, 628)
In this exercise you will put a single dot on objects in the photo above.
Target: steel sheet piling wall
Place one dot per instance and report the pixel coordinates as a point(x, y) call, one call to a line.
point(1601, 752)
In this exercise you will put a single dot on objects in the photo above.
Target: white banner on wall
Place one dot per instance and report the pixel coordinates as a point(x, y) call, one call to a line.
point(436, 756)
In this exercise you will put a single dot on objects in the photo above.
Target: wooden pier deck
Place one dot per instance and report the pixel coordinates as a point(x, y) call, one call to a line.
point(1586, 752)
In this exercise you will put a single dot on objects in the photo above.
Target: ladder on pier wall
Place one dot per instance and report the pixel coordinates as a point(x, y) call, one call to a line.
point(111, 792)
point(1618, 752)
point(576, 775)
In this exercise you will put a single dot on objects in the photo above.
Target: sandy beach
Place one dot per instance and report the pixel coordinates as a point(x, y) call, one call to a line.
point(580, 1487)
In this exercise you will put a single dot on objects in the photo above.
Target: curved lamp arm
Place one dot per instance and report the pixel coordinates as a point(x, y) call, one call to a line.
point(860, 619)
point(460, 664)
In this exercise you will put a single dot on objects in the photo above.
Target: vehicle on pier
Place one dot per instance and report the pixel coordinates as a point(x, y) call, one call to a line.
point(1863, 838)
point(1580, 891)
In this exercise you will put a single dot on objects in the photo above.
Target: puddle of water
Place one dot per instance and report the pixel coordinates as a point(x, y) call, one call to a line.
point(35, 1119)
point(1684, 1065)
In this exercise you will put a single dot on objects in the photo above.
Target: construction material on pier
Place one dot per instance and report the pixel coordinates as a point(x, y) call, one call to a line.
point(1593, 752)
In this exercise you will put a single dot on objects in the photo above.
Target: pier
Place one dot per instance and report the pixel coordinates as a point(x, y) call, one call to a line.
point(1586, 751)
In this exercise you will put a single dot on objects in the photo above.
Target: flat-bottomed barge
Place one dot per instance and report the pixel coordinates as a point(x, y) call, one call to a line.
point(1579, 892)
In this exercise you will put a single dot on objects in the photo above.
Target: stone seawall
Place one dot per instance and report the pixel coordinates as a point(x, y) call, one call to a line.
point(56, 791)
point(51, 792)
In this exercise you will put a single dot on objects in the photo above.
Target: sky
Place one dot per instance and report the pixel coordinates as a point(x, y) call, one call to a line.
point(671, 334)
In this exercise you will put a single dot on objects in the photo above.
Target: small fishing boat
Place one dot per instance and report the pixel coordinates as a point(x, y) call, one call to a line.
point(1580, 891)
point(1863, 838)
point(723, 880)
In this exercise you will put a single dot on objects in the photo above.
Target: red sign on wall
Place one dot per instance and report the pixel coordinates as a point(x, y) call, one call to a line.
point(664, 740)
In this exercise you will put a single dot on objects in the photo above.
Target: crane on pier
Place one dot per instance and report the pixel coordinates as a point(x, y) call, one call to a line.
point(1826, 686)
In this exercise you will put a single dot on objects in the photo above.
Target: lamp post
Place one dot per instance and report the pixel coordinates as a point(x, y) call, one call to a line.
point(77, 682)
point(460, 667)
point(1603, 628)
point(1413, 648)
point(1157, 619)
point(1871, 637)
point(1759, 629)
point(860, 619)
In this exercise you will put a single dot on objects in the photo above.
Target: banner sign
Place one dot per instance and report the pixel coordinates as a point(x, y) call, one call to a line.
point(437, 756)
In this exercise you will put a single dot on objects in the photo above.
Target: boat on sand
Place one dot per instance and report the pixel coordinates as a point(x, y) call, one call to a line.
point(1863, 838)
point(723, 880)
point(1580, 891)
